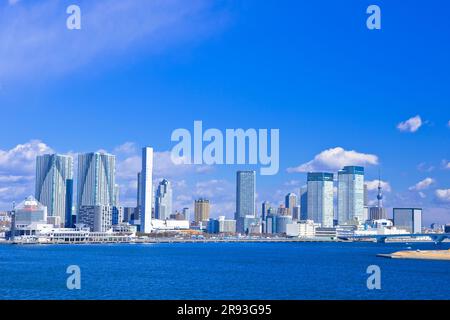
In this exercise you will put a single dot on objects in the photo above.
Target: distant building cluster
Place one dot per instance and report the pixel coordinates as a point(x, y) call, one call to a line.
point(312, 213)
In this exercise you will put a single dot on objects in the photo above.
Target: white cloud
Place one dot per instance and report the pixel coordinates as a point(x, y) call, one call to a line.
point(212, 188)
point(184, 198)
point(15, 193)
point(21, 159)
point(446, 164)
point(14, 179)
point(126, 149)
point(219, 192)
point(293, 183)
point(335, 159)
point(128, 168)
point(424, 167)
point(17, 171)
point(165, 168)
point(422, 185)
point(35, 39)
point(443, 195)
point(373, 185)
point(180, 184)
point(411, 125)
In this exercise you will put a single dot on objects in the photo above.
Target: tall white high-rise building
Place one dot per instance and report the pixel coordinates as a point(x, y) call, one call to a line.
point(350, 195)
point(116, 195)
point(163, 200)
point(54, 185)
point(146, 189)
point(138, 199)
point(96, 180)
point(320, 198)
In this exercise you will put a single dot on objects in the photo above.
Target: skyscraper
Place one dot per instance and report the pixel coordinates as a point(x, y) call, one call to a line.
point(201, 210)
point(116, 195)
point(265, 210)
point(351, 195)
point(146, 190)
point(117, 215)
point(282, 210)
point(96, 179)
point(377, 213)
point(296, 215)
point(138, 198)
point(366, 195)
point(320, 198)
point(245, 194)
point(69, 221)
point(409, 219)
point(186, 214)
point(163, 200)
point(290, 202)
point(54, 185)
point(304, 203)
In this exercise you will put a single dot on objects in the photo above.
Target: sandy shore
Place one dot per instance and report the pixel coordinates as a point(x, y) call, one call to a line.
point(422, 255)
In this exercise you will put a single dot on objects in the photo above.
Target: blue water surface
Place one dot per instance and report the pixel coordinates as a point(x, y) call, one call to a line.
point(220, 271)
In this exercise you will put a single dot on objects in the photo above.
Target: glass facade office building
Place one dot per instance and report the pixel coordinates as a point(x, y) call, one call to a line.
point(265, 209)
point(290, 201)
point(163, 200)
point(320, 198)
point(304, 203)
point(54, 185)
point(96, 180)
point(409, 219)
point(350, 195)
point(30, 211)
point(245, 194)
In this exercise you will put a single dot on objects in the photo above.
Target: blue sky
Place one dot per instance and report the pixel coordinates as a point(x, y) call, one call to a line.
point(137, 70)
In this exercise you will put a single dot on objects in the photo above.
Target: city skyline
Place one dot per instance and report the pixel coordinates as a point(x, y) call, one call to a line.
point(339, 93)
point(332, 192)
point(328, 201)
